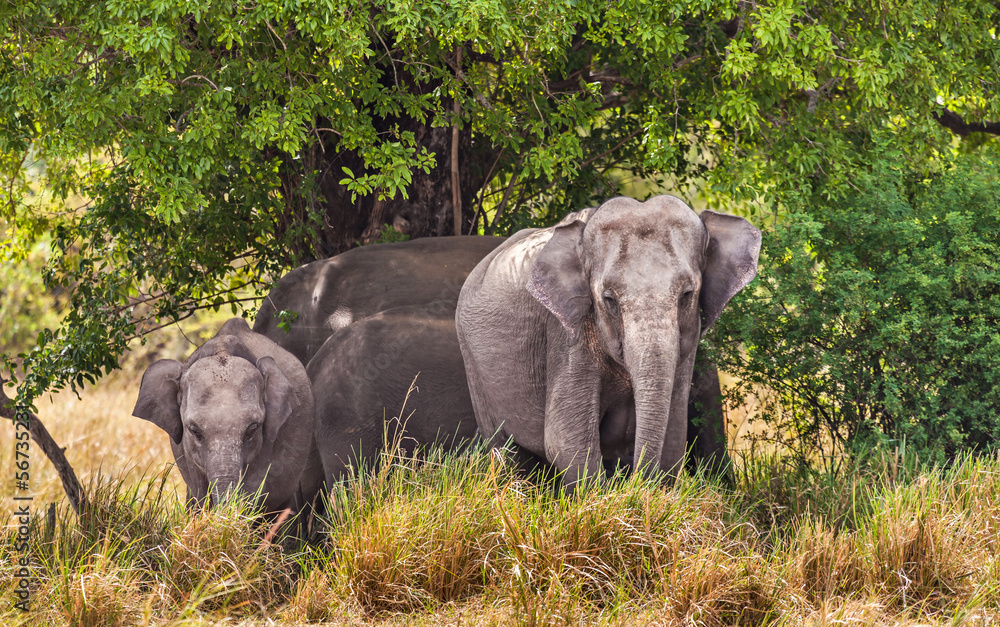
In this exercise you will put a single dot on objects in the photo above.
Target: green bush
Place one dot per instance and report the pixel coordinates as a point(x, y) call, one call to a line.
point(875, 319)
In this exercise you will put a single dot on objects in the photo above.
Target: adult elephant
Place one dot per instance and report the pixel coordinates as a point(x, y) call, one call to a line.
point(579, 340)
point(327, 295)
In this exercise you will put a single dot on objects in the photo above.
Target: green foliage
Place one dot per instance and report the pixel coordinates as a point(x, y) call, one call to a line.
point(286, 318)
point(875, 318)
point(389, 235)
point(180, 145)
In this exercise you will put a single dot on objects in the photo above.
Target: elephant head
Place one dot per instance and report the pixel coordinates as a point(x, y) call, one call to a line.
point(641, 282)
point(222, 412)
point(579, 340)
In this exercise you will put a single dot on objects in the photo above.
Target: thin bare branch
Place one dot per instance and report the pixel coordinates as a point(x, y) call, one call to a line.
point(55, 453)
point(506, 196)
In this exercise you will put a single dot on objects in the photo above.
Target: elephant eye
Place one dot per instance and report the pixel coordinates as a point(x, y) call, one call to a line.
point(610, 302)
point(686, 298)
point(196, 432)
point(251, 430)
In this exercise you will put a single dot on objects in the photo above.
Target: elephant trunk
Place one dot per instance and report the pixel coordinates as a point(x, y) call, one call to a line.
point(652, 363)
point(223, 475)
point(222, 488)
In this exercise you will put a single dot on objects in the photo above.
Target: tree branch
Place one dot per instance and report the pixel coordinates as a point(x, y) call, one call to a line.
point(954, 123)
point(455, 63)
point(56, 455)
point(611, 78)
point(503, 201)
point(624, 141)
point(456, 193)
point(482, 192)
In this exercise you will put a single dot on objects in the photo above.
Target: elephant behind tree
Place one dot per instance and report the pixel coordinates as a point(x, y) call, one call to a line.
point(706, 434)
point(360, 379)
point(568, 331)
point(239, 410)
point(329, 294)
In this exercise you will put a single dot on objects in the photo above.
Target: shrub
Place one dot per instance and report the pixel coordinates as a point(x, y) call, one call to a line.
point(875, 318)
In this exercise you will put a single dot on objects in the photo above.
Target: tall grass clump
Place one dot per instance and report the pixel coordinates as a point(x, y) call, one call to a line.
point(925, 544)
point(412, 532)
point(611, 541)
point(777, 491)
point(219, 560)
point(92, 567)
point(444, 538)
point(134, 554)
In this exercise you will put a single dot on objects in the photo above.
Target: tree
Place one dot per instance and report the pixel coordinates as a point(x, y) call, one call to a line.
point(219, 143)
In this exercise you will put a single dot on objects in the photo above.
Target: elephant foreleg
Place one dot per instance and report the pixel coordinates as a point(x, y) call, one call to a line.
point(707, 421)
point(618, 437)
point(572, 415)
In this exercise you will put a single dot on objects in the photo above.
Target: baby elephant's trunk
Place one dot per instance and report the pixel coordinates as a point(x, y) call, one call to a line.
point(222, 488)
point(224, 467)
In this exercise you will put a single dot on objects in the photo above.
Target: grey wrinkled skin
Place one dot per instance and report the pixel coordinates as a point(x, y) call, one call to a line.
point(360, 379)
point(239, 411)
point(707, 441)
point(332, 293)
point(569, 330)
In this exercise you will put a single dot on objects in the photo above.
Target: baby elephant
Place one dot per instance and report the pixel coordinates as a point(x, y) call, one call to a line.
point(239, 410)
point(360, 378)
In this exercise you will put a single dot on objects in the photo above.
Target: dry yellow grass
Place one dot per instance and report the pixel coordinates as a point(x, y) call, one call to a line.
point(628, 554)
point(101, 437)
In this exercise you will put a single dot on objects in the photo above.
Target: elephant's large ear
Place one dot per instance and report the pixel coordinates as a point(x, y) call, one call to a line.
point(278, 396)
point(730, 262)
point(159, 397)
point(558, 280)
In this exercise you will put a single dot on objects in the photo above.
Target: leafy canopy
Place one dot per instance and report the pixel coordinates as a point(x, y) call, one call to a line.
point(196, 130)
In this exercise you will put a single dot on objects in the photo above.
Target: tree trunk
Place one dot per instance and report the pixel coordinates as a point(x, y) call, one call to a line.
point(427, 212)
point(346, 223)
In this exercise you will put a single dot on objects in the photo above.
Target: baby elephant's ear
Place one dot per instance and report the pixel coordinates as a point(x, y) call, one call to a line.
point(278, 397)
point(558, 280)
point(159, 397)
point(730, 262)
